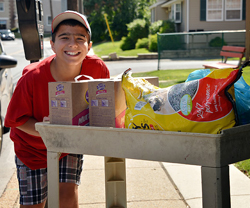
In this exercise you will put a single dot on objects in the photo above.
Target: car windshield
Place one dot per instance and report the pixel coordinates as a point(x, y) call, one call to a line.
point(5, 31)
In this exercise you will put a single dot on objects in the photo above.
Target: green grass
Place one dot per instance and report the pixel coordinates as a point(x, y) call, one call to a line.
point(167, 77)
point(170, 77)
point(244, 166)
point(104, 49)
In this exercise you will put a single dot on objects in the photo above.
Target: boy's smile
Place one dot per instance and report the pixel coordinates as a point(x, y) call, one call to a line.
point(72, 53)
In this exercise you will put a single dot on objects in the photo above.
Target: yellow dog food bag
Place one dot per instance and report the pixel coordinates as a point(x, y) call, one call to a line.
point(201, 106)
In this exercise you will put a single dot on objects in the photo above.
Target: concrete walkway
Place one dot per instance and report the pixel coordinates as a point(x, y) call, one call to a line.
point(149, 185)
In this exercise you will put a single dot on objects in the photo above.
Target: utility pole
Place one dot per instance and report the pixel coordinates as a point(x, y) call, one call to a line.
point(51, 10)
point(12, 15)
point(73, 5)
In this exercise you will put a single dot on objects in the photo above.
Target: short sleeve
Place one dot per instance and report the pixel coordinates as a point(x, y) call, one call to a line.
point(20, 107)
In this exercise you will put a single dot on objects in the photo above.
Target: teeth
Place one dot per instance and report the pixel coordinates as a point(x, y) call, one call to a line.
point(72, 53)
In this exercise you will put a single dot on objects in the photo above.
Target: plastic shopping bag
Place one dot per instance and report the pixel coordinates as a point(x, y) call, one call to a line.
point(204, 106)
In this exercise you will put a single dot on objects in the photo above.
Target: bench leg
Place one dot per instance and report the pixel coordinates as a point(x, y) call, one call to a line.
point(53, 179)
point(115, 182)
point(215, 187)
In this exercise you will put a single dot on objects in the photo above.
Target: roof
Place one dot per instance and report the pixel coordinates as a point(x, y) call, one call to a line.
point(158, 3)
point(170, 2)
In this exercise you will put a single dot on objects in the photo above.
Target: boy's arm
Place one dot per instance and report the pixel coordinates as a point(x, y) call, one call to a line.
point(29, 127)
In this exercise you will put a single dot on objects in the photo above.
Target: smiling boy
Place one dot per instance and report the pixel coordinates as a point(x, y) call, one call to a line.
point(71, 41)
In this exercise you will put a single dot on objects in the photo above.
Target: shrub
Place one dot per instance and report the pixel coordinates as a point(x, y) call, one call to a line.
point(152, 45)
point(168, 26)
point(127, 43)
point(142, 43)
point(155, 27)
point(136, 30)
point(217, 42)
point(15, 29)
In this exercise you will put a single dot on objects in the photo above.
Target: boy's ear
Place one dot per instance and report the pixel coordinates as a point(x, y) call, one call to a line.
point(52, 45)
point(90, 45)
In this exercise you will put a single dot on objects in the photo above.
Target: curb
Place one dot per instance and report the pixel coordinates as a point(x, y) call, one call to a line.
point(140, 56)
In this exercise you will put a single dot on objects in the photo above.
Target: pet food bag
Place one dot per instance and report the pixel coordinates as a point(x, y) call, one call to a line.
point(202, 106)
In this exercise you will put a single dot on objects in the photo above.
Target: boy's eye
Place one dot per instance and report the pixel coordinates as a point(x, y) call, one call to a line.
point(83, 38)
point(64, 37)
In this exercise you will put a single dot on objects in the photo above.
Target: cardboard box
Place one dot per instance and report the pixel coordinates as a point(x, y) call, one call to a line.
point(68, 103)
point(108, 103)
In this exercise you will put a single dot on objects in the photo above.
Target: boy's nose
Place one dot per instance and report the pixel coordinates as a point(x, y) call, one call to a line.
point(73, 42)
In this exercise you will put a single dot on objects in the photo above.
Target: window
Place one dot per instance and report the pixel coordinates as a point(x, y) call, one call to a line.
point(1, 6)
point(176, 13)
point(49, 20)
point(3, 24)
point(219, 10)
point(214, 10)
point(233, 9)
point(153, 15)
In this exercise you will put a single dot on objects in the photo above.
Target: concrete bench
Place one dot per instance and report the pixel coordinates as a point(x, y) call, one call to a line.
point(214, 152)
point(228, 51)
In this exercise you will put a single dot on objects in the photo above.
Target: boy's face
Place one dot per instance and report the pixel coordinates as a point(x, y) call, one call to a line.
point(71, 44)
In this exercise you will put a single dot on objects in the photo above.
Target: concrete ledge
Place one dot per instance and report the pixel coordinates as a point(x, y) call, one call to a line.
point(140, 56)
point(128, 58)
point(147, 55)
point(105, 58)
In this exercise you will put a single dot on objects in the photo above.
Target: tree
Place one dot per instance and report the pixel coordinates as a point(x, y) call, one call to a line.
point(119, 14)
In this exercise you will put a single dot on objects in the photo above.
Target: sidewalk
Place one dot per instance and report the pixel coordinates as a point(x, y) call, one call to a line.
point(149, 185)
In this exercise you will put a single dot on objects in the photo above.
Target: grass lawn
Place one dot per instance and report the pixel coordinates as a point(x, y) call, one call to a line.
point(170, 77)
point(104, 49)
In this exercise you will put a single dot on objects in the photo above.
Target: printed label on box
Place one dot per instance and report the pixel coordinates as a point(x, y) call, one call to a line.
point(82, 119)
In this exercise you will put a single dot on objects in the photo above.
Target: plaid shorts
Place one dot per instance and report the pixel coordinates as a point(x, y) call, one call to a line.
point(33, 183)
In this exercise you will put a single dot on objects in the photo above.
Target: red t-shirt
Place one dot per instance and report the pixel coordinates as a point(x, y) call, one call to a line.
point(31, 99)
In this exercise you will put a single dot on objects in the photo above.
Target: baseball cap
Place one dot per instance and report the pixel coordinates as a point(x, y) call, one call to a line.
point(70, 15)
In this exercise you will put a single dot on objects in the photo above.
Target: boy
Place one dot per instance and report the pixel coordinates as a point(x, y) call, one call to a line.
point(71, 35)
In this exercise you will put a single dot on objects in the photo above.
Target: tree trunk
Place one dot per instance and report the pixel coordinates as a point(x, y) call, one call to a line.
point(73, 5)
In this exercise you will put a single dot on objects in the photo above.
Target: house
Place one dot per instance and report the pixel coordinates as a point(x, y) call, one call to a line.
point(57, 7)
point(51, 8)
point(9, 17)
point(200, 22)
point(8, 14)
point(201, 15)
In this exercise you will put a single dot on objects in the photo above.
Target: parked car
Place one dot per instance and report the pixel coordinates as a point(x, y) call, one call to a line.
point(7, 34)
point(6, 88)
